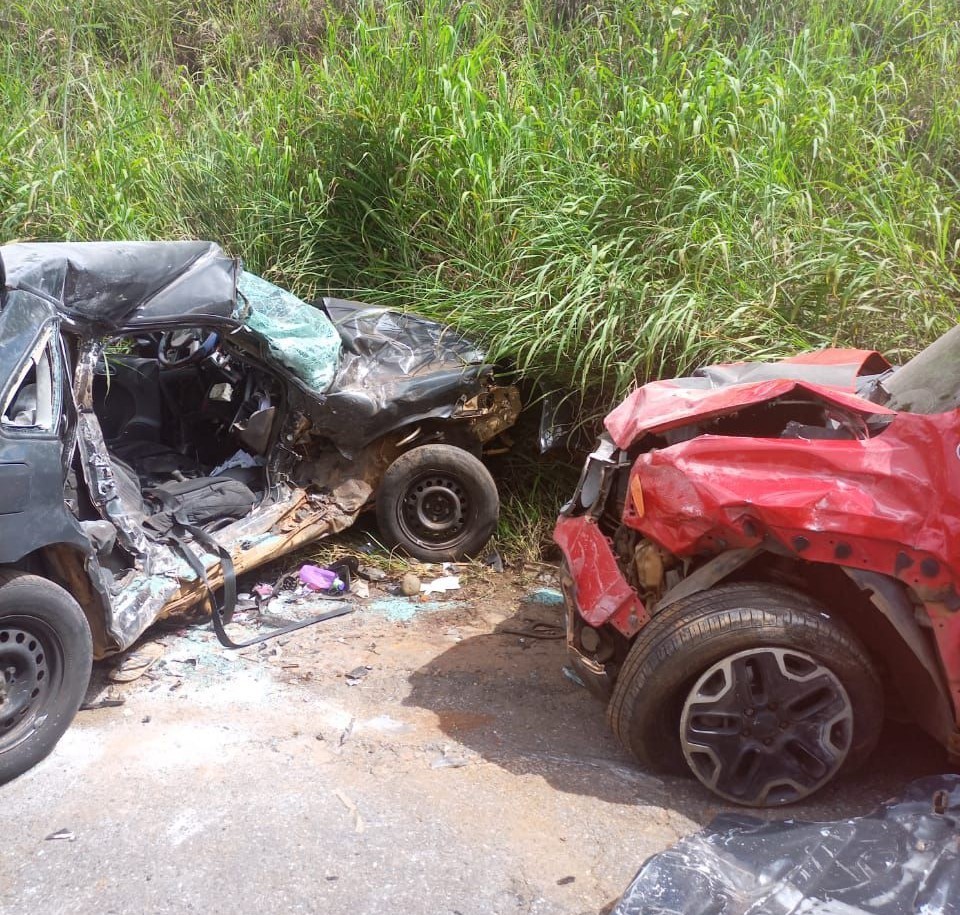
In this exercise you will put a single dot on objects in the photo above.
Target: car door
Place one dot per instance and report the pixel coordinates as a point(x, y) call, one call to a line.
point(32, 509)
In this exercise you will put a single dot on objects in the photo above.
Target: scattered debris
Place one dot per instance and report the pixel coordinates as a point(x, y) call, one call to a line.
point(371, 573)
point(440, 585)
point(263, 590)
point(573, 676)
point(495, 561)
point(135, 665)
point(536, 629)
point(239, 460)
point(101, 703)
point(357, 674)
point(449, 762)
point(402, 609)
point(360, 588)
point(358, 825)
point(386, 724)
point(941, 801)
point(320, 579)
point(245, 602)
point(566, 881)
point(549, 597)
point(409, 585)
point(445, 761)
point(62, 835)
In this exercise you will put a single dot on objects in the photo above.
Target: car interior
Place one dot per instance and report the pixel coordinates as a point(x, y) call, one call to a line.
point(181, 415)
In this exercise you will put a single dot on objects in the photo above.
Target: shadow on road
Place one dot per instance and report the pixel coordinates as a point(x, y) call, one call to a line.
point(506, 698)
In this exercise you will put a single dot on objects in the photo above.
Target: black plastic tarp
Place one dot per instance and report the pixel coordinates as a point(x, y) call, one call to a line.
point(110, 286)
point(901, 859)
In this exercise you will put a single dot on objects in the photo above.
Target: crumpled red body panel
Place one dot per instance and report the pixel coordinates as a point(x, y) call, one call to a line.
point(662, 405)
point(603, 594)
point(889, 490)
point(889, 504)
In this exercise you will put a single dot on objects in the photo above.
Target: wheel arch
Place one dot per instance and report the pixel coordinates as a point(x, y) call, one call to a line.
point(454, 432)
point(877, 607)
point(66, 565)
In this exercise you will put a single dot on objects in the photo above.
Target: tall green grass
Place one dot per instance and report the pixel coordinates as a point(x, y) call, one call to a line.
point(602, 193)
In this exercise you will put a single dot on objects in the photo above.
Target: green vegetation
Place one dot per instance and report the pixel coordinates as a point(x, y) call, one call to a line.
point(601, 192)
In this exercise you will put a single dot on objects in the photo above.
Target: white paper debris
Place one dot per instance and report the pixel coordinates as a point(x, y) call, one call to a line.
point(439, 585)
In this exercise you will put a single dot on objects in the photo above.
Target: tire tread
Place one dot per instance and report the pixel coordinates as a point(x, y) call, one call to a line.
point(717, 615)
point(63, 613)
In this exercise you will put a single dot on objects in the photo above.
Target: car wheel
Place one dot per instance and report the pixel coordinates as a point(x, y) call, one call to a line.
point(437, 503)
point(46, 653)
point(754, 688)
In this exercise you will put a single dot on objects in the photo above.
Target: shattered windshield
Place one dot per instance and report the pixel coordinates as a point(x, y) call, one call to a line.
point(299, 336)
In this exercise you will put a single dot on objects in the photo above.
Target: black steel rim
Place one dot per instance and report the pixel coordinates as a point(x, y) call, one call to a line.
point(435, 510)
point(766, 726)
point(31, 664)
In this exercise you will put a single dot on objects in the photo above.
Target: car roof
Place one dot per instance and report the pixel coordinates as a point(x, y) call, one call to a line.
point(111, 286)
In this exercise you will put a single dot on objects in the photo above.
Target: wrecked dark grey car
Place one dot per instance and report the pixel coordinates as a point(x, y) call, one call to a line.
point(168, 421)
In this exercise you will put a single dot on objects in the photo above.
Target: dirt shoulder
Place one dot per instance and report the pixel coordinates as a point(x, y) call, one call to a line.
point(410, 755)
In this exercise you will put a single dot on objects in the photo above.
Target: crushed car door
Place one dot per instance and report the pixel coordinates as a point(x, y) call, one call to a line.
point(32, 509)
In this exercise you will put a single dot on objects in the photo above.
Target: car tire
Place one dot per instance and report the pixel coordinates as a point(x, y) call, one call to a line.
point(752, 687)
point(437, 503)
point(46, 654)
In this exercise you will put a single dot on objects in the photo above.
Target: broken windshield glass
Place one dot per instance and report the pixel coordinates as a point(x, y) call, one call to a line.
point(299, 336)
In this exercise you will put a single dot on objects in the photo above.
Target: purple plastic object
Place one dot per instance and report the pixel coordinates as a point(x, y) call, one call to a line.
point(317, 579)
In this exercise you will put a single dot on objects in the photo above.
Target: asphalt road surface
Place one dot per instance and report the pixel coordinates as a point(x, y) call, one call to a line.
point(457, 770)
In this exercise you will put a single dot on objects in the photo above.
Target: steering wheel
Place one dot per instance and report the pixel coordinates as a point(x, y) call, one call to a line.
point(185, 346)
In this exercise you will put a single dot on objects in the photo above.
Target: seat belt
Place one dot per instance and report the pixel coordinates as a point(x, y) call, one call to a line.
point(224, 613)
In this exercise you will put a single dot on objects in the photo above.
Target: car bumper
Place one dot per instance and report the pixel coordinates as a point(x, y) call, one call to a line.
point(598, 591)
point(595, 676)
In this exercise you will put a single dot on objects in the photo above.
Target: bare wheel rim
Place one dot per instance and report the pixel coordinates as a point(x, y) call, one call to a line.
point(31, 667)
point(436, 510)
point(766, 726)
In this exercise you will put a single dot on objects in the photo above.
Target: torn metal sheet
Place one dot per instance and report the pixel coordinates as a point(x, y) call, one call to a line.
point(106, 286)
point(397, 369)
point(902, 858)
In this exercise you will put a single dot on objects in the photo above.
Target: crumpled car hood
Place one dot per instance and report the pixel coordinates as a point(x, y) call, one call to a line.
point(715, 390)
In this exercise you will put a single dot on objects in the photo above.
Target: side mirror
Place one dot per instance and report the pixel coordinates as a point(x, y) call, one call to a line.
point(556, 420)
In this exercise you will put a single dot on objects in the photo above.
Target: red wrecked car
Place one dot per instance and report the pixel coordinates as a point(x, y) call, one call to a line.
point(762, 559)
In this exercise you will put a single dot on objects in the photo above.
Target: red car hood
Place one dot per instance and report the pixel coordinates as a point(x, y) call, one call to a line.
point(661, 405)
